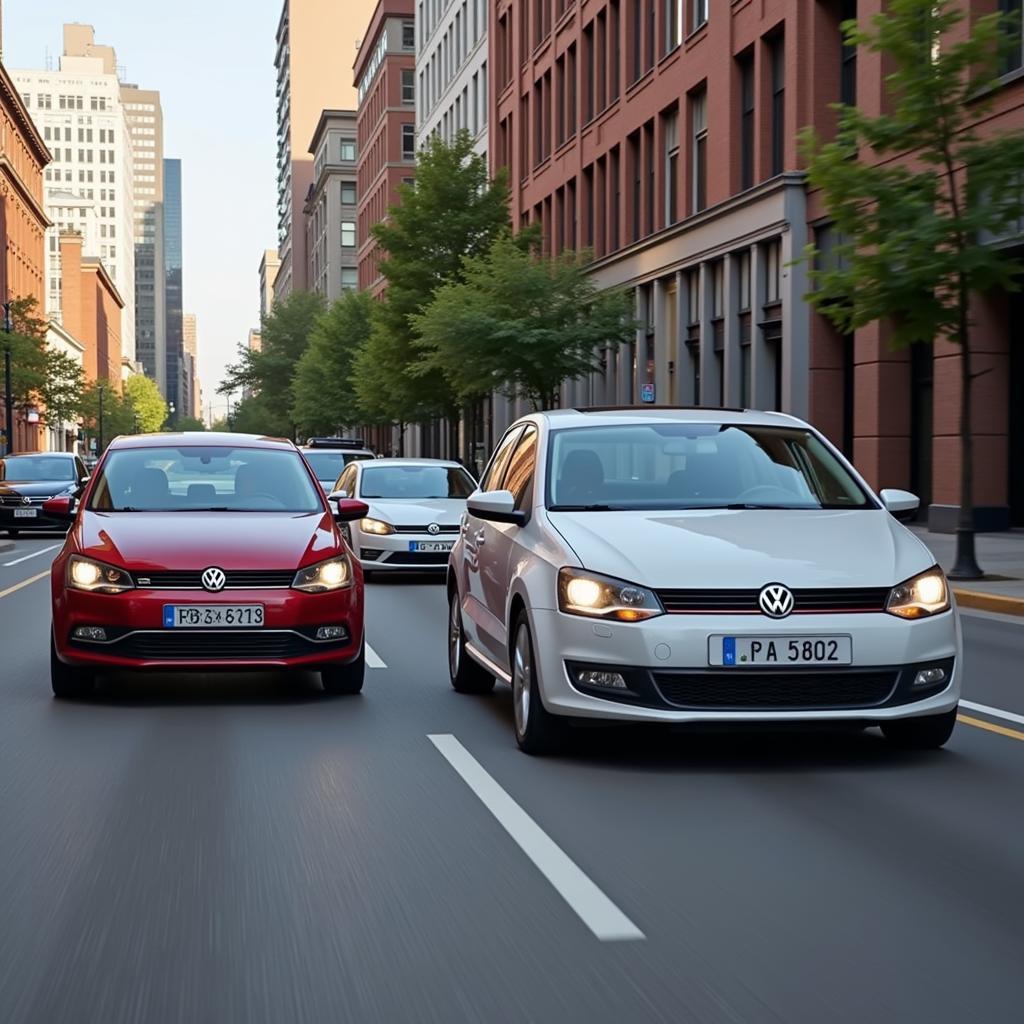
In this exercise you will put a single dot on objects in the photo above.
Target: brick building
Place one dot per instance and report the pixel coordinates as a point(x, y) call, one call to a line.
point(662, 134)
point(385, 74)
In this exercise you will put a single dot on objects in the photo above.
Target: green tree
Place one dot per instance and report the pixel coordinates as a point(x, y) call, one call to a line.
point(912, 234)
point(62, 389)
point(323, 392)
point(148, 407)
point(255, 415)
point(520, 324)
point(269, 373)
point(189, 423)
point(118, 417)
point(27, 342)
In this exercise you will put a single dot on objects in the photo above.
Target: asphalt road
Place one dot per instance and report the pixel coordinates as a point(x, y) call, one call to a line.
point(222, 849)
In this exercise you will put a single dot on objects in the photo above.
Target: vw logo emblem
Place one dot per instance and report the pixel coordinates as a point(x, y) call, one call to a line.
point(26, 501)
point(213, 579)
point(433, 529)
point(776, 601)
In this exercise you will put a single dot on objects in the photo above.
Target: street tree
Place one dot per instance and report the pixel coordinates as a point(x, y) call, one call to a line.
point(912, 233)
point(189, 423)
point(520, 323)
point(323, 392)
point(149, 410)
point(118, 417)
point(62, 389)
point(27, 342)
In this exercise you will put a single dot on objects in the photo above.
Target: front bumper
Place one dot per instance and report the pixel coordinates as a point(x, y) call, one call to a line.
point(665, 662)
point(40, 522)
point(137, 639)
point(392, 552)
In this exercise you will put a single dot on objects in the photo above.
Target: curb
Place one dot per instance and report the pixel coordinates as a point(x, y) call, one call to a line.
point(990, 602)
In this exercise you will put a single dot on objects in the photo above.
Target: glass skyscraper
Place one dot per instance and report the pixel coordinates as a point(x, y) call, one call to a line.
point(177, 386)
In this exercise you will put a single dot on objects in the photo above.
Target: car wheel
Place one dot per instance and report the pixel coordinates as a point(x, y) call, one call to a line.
point(466, 675)
point(926, 733)
point(339, 680)
point(69, 681)
point(537, 730)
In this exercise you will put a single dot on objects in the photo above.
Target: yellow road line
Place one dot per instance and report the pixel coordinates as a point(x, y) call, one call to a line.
point(24, 583)
point(1014, 734)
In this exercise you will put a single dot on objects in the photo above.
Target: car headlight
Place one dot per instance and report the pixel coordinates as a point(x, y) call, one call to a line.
point(97, 577)
point(376, 526)
point(920, 596)
point(603, 597)
point(334, 574)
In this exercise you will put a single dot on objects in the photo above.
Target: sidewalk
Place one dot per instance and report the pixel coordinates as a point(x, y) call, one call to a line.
point(1001, 557)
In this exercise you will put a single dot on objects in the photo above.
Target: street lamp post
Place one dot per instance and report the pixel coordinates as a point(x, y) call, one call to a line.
point(8, 396)
point(99, 441)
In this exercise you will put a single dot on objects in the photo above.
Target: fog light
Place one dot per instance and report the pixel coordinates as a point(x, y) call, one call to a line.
point(930, 676)
point(331, 633)
point(608, 680)
point(95, 633)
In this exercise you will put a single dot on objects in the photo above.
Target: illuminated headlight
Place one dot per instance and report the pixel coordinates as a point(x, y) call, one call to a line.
point(375, 526)
point(927, 594)
point(602, 597)
point(97, 577)
point(334, 574)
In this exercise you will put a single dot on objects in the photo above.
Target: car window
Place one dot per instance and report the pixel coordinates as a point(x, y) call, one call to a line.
point(37, 469)
point(499, 460)
point(346, 482)
point(413, 481)
point(520, 474)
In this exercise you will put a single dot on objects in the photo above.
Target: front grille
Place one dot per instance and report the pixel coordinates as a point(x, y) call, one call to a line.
point(237, 579)
point(17, 501)
point(214, 646)
point(744, 602)
point(765, 691)
point(419, 557)
point(423, 529)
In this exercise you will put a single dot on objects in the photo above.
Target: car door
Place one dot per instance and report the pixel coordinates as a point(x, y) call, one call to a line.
point(475, 534)
point(497, 555)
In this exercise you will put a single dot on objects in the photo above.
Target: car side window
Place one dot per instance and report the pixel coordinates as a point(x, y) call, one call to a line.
point(520, 474)
point(346, 480)
point(491, 480)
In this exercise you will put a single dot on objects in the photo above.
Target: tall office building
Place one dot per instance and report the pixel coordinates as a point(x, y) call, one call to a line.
point(192, 401)
point(79, 110)
point(317, 42)
point(270, 264)
point(177, 385)
point(145, 125)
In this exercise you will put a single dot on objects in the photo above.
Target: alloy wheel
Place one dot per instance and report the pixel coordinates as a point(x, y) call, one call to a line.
point(454, 636)
point(522, 680)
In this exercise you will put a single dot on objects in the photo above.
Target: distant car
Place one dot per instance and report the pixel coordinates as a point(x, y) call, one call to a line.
point(416, 506)
point(27, 480)
point(328, 456)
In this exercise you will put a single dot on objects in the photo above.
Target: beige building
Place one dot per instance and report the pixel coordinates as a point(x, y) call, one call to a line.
point(316, 48)
point(269, 267)
point(193, 400)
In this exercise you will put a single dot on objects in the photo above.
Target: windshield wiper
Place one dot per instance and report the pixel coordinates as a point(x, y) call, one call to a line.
point(581, 508)
point(738, 506)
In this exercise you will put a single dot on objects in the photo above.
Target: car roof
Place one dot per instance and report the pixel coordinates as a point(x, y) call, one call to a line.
point(638, 414)
point(201, 439)
point(46, 455)
point(447, 463)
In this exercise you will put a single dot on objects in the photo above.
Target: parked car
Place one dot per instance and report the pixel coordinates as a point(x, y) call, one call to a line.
point(204, 551)
point(660, 565)
point(328, 456)
point(415, 507)
point(27, 480)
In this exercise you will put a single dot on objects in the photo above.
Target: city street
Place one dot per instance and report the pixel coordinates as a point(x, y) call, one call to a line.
point(241, 848)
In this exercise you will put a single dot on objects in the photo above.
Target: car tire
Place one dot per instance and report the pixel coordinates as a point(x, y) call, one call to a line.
point(466, 675)
point(345, 680)
point(537, 730)
point(926, 733)
point(70, 682)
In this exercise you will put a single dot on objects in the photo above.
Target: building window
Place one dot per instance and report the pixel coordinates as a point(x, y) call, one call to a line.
point(699, 156)
point(349, 278)
point(772, 273)
point(700, 13)
point(848, 56)
point(633, 144)
point(1014, 58)
point(614, 56)
point(673, 24)
point(408, 35)
point(746, 62)
point(408, 141)
point(777, 56)
point(348, 150)
point(570, 74)
point(615, 173)
point(636, 18)
point(348, 233)
point(672, 167)
point(589, 71)
point(652, 21)
point(743, 281)
point(348, 193)
point(408, 85)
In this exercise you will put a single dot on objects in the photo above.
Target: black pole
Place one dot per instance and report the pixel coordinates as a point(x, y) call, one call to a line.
point(99, 442)
point(8, 395)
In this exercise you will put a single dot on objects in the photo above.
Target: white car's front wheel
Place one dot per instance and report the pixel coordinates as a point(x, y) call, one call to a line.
point(537, 730)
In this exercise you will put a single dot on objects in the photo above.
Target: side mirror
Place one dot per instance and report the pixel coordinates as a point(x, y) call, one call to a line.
point(59, 508)
point(347, 510)
point(495, 507)
point(901, 505)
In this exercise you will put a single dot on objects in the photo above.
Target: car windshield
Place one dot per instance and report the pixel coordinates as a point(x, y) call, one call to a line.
point(36, 468)
point(695, 466)
point(399, 482)
point(328, 465)
point(215, 478)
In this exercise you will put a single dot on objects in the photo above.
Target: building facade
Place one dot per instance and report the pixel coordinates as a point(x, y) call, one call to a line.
point(317, 41)
point(451, 69)
point(176, 370)
point(145, 125)
point(331, 207)
point(269, 267)
point(190, 347)
point(663, 137)
point(386, 142)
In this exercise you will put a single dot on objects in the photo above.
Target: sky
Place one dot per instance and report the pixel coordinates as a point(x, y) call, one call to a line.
point(213, 62)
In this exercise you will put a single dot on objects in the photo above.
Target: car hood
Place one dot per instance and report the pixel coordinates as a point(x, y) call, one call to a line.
point(745, 548)
point(197, 540)
point(417, 511)
point(35, 488)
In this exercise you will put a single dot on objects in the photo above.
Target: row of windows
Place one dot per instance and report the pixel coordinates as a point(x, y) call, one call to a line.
point(380, 52)
point(451, 51)
point(467, 111)
point(54, 174)
point(44, 101)
point(53, 134)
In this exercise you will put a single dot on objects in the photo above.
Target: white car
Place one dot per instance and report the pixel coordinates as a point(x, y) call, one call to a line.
point(666, 565)
point(416, 506)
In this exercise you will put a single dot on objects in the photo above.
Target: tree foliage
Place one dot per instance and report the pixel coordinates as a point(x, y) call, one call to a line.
point(189, 423)
point(27, 342)
point(62, 389)
point(146, 403)
point(520, 324)
point(118, 416)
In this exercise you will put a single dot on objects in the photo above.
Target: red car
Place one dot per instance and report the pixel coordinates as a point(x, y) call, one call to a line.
point(205, 551)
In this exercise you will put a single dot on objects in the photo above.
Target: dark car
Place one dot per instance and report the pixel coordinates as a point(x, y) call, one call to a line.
point(328, 456)
point(27, 480)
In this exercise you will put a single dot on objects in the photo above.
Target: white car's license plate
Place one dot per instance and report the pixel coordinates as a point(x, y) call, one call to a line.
point(213, 616)
point(777, 650)
point(26, 513)
point(430, 545)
